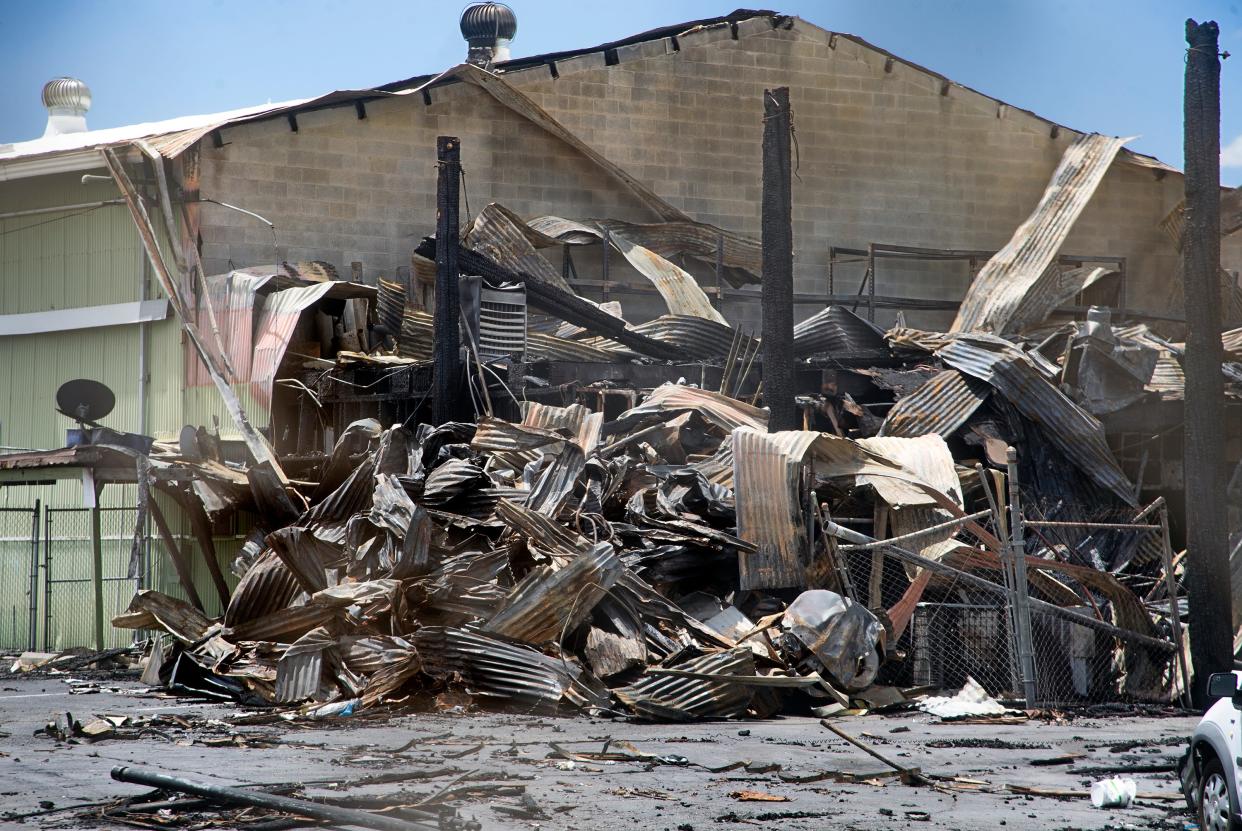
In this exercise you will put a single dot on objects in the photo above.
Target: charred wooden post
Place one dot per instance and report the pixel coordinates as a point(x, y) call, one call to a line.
point(777, 299)
point(1207, 572)
point(446, 372)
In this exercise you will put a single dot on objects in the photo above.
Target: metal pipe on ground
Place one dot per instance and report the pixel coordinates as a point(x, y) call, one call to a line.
point(237, 796)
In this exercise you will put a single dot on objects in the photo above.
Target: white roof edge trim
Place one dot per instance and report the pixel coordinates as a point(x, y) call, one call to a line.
point(83, 317)
point(50, 165)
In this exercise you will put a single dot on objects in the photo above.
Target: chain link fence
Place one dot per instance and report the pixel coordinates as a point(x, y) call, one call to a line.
point(19, 563)
point(68, 584)
point(963, 619)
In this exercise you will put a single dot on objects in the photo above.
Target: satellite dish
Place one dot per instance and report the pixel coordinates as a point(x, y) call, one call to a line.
point(85, 400)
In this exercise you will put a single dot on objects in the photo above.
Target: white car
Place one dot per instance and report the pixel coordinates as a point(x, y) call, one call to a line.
point(1210, 768)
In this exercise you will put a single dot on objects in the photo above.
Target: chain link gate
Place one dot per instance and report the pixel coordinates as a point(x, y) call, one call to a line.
point(19, 563)
point(68, 584)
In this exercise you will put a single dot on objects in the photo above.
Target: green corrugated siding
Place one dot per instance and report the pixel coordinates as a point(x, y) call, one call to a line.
point(51, 261)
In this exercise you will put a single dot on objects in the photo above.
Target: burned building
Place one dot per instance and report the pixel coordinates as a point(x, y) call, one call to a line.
point(265, 312)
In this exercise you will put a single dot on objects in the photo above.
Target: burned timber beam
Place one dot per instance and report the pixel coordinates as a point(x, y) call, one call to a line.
point(554, 301)
point(777, 224)
point(1207, 564)
point(446, 373)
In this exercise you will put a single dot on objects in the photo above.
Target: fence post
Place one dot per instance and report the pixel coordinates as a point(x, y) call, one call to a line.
point(47, 577)
point(97, 573)
point(1020, 597)
point(34, 576)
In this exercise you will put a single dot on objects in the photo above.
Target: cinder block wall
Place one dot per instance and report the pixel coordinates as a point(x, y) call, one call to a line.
point(884, 154)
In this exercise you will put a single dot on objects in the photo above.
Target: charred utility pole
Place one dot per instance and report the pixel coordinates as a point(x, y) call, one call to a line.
point(777, 297)
point(1207, 564)
point(446, 371)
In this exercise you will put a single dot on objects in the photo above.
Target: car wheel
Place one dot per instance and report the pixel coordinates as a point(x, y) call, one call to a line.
point(1215, 810)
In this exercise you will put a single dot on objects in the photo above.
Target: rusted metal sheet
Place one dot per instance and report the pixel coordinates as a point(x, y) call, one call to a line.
point(681, 292)
point(500, 235)
point(299, 671)
point(1013, 272)
point(767, 474)
point(767, 471)
point(939, 406)
point(582, 424)
point(281, 312)
point(925, 460)
point(550, 602)
point(1054, 287)
point(541, 346)
point(151, 609)
point(680, 698)
point(1075, 432)
point(928, 458)
point(836, 331)
point(496, 669)
point(267, 586)
point(698, 337)
point(721, 410)
point(740, 256)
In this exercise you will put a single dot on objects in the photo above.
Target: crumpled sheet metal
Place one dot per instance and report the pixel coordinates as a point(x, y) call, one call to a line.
point(299, 672)
point(767, 473)
point(151, 609)
point(1000, 287)
point(924, 459)
point(501, 235)
point(699, 337)
point(497, 669)
point(1075, 432)
point(681, 292)
point(267, 586)
point(726, 413)
point(582, 424)
point(836, 331)
point(542, 346)
point(551, 601)
point(940, 406)
point(929, 459)
point(1055, 286)
point(742, 257)
point(679, 698)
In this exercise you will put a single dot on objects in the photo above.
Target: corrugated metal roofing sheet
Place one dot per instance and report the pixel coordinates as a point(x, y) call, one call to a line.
point(698, 337)
point(1004, 281)
point(551, 601)
point(681, 292)
point(721, 410)
point(677, 698)
point(835, 330)
point(501, 235)
point(740, 256)
point(1075, 432)
point(938, 407)
point(491, 667)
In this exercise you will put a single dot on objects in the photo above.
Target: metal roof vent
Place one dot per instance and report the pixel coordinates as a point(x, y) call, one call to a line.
point(67, 100)
point(488, 28)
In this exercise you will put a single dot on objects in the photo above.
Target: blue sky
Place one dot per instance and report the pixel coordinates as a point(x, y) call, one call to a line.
point(1113, 66)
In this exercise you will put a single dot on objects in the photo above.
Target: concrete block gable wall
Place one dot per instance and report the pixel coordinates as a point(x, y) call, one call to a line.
point(886, 153)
